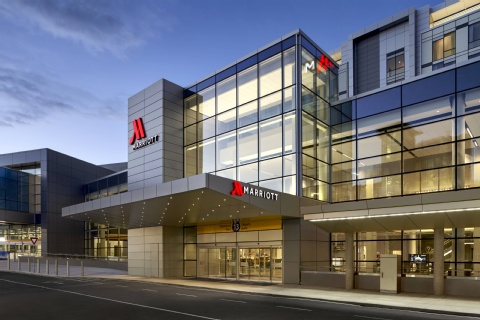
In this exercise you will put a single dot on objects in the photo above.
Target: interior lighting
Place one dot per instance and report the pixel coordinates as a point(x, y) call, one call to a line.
point(395, 215)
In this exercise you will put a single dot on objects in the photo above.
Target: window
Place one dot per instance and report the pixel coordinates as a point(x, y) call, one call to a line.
point(444, 47)
point(395, 66)
point(474, 35)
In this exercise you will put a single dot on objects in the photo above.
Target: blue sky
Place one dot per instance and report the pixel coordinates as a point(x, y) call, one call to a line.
point(67, 68)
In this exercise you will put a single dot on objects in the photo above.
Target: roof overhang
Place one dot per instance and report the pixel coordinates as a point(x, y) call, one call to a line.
point(200, 199)
point(455, 209)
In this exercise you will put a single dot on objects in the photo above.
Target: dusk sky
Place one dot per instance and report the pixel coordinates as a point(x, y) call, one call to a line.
point(67, 68)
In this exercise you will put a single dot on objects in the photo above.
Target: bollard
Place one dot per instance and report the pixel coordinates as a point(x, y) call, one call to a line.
point(8, 261)
point(47, 267)
point(81, 269)
point(28, 262)
point(38, 265)
point(19, 264)
point(68, 268)
point(56, 267)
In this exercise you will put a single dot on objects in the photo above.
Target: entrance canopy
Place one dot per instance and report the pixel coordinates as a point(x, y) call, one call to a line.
point(452, 209)
point(191, 201)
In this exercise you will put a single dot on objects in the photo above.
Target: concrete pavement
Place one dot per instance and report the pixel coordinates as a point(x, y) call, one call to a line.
point(410, 301)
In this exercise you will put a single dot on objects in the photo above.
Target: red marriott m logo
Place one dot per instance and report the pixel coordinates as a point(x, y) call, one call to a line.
point(138, 130)
point(237, 189)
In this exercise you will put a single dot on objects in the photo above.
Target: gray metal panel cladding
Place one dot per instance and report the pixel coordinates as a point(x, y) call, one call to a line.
point(367, 64)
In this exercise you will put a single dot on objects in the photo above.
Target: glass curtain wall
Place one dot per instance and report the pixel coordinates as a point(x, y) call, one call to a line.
point(416, 247)
point(241, 123)
point(106, 242)
point(382, 149)
point(319, 77)
point(15, 239)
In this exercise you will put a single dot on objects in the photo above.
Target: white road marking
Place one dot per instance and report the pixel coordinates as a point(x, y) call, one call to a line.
point(365, 317)
point(233, 300)
point(56, 282)
point(112, 300)
point(149, 290)
point(187, 295)
point(293, 308)
point(118, 285)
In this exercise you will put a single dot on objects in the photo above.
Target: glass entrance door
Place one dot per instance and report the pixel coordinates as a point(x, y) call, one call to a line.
point(261, 264)
point(217, 262)
point(253, 264)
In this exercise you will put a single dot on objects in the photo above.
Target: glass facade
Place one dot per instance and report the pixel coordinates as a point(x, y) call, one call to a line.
point(20, 189)
point(243, 126)
point(16, 239)
point(105, 187)
point(319, 88)
point(422, 144)
point(107, 242)
point(416, 247)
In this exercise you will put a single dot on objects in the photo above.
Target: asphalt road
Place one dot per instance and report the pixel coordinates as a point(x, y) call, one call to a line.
point(25, 296)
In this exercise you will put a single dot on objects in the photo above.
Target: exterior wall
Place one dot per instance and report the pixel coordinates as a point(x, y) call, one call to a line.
point(291, 252)
point(426, 36)
point(62, 180)
point(161, 108)
point(155, 252)
point(314, 247)
point(367, 64)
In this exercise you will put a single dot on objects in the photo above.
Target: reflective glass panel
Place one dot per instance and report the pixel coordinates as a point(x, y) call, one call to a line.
point(379, 166)
point(380, 123)
point(226, 94)
point(289, 67)
point(206, 129)
point(289, 133)
point(190, 109)
point(190, 134)
point(430, 111)
point(271, 168)
point(344, 191)
point(190, 161)
point(289, 99)
point(248, 173)
point(428, 181)
point(308, 134)
point(289, 185)
point(270, 137)
point(379, 187)
point(226, 150)
point(345, 171)
point(289, 164)
point(247, 114)
point(381, 144)
point(206, 156)
point(274, 184)
point(206, 103)
point(429, 158)
point(248, 144)
point(468, 176)
point(270, 75)
point(322, 141)
point(226, 121)
point(343, 152)
point(308, 70)
point(468, 102)
point(309, 166)
point(229, 173)
point(429, 134)
point(270, 105)
point(468, 151)
point(247, 85)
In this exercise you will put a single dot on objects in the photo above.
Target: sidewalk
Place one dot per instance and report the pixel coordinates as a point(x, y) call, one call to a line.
point(408, 301)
